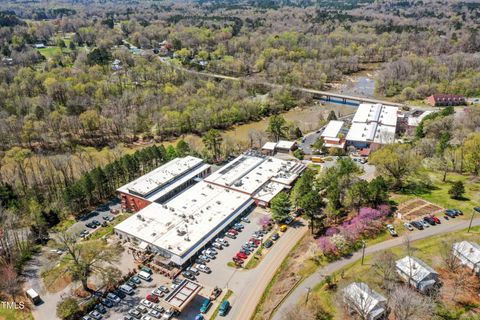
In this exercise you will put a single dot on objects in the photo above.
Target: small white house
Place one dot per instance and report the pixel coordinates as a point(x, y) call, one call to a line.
point(367, 303)
point(469, 254)
point(417, 273)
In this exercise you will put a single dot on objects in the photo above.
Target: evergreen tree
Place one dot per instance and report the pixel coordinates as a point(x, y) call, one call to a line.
point(280, 206)
point(457, 190)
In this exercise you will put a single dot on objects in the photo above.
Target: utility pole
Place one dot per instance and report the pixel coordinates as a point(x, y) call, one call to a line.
point(475, 209)
point(363, 250)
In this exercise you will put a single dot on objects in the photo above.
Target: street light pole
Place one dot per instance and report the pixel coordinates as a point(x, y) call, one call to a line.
point(308, 293)
point(363, 250)
point(475, 209)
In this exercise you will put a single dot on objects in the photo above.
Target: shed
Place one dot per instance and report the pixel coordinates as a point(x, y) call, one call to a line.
point(286, 146)
point(269, 148)
point(364, 301)
point(417, 273)
point(469, 254)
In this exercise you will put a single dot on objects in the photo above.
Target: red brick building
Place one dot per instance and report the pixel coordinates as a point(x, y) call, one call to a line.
point(443, 100)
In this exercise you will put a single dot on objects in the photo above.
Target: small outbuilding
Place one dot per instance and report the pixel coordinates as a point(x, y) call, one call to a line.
point(285, 146)
point(469, 254)
point(367, 303)
point(269, 148)
point(417, 273)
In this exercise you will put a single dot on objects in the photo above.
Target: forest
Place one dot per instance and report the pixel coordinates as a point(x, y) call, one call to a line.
point(93, 89)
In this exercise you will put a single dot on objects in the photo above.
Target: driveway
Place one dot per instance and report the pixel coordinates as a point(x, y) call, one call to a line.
point(299, 292)
point(97, 214)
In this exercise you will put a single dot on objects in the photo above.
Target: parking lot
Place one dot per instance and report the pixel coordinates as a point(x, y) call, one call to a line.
point(220, 276)
point(98, 214)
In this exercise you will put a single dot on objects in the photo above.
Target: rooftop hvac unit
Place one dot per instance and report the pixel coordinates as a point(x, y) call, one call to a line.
point(165, 206)
point(218, 202)
point(169, 247)
point(186, 238)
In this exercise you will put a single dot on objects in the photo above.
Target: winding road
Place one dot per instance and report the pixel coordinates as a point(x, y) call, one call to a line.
point(310, 282)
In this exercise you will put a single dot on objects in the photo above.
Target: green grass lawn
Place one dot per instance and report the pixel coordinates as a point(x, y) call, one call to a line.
point(428, 250)
point(8, 314)
point(439, 193)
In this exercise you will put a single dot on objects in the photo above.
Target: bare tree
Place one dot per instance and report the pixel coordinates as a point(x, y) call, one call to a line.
point(9, 280)
point(407, 304)
point(451, 262)
point(384, 266)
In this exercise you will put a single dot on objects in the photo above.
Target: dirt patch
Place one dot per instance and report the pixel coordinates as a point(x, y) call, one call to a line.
point(460, 288)
point(415, 208)
point(59, 283)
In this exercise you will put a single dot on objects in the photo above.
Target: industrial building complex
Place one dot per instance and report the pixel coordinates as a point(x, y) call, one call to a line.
point(181, 207)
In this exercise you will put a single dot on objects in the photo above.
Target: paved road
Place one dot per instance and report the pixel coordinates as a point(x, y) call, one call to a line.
point(248, 286)
point(315, 278)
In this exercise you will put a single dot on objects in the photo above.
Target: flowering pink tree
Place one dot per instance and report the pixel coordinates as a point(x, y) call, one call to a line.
point(264, 221)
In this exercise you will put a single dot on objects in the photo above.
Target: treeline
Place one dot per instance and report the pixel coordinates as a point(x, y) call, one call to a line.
point(99, 184)
point(415, 77)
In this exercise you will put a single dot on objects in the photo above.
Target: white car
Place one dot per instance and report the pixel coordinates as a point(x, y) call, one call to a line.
point(222, 241)
point(147, 303)
point(217, 245)
point(203, 268)
point(167, 315)
point(146, 318)
point(245, 219)
point(155, 313)
point(408, 226)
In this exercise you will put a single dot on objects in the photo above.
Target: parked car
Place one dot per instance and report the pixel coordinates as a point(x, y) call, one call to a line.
point(96, 223)
point(275, 236)
point(392, 230)
point(224, 307)
point(451, 213)
point(424, 223)
point(200, 261)
point(168, 315)
point(288, 220)
point(237, 260)
point(135, 313)
point(101, 308)
point(222, 241)
point(113, 297)
point(256, 241)
point(142, 308)
point(435, 219)
point(241, 255)
point(210, 251)
point(205, 306)
point(91, 225)
point(283, 228)
point(155, 313)
point(159, 308)
point(429, 220)
point(268, 243)
point(163, 289)
point(203, 268)
point(204, 258)
point(188, 275)
point(146, 317)
point(245, 219)
point(135, 280)
point(152, 298)
point(193, 270)
point(158, 293)
point(235, 232)
point(119, 293)
point(247, 252)
point(131, 284)
point(146, 303)
point(239, 225)
point(126, 289)
point(95, 315)
point(107, 303)
point(217, 245)
point(230, 235)
point(417, 225)
point(458, 212)
point(408, 226)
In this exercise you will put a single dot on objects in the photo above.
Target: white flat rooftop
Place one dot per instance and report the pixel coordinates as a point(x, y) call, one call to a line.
point(159, 177)
point(367, 112)
point(269, 146)
point(180, 224)
point(247, 173)
point(284, 144)
point(374, 123)
point(268, 191)
point(332, 129)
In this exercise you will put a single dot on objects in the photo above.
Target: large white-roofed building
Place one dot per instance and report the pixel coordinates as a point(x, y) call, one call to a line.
point(373, 123)
point(163, 183)
point(365, 302)
point(417, 273)
point(177, 229)
point(258, 176)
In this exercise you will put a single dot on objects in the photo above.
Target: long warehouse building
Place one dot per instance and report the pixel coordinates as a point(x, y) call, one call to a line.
point(178, 228)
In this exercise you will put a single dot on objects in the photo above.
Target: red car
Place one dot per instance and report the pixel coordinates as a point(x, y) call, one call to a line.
point(437, 221)
point(235, 232)
point(241, 255)
point(256, 241)
point(152, 298)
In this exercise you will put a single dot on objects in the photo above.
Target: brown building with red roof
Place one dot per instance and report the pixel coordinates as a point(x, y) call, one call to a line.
point(442, 100)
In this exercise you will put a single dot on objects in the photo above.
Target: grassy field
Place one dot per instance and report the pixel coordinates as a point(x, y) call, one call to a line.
point(438, 194)
point(428, 250)
point(7, 314)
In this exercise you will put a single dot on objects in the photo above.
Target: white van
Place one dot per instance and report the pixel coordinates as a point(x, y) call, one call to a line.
point(144, 275)
point(34, 296)
point(126, 289)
